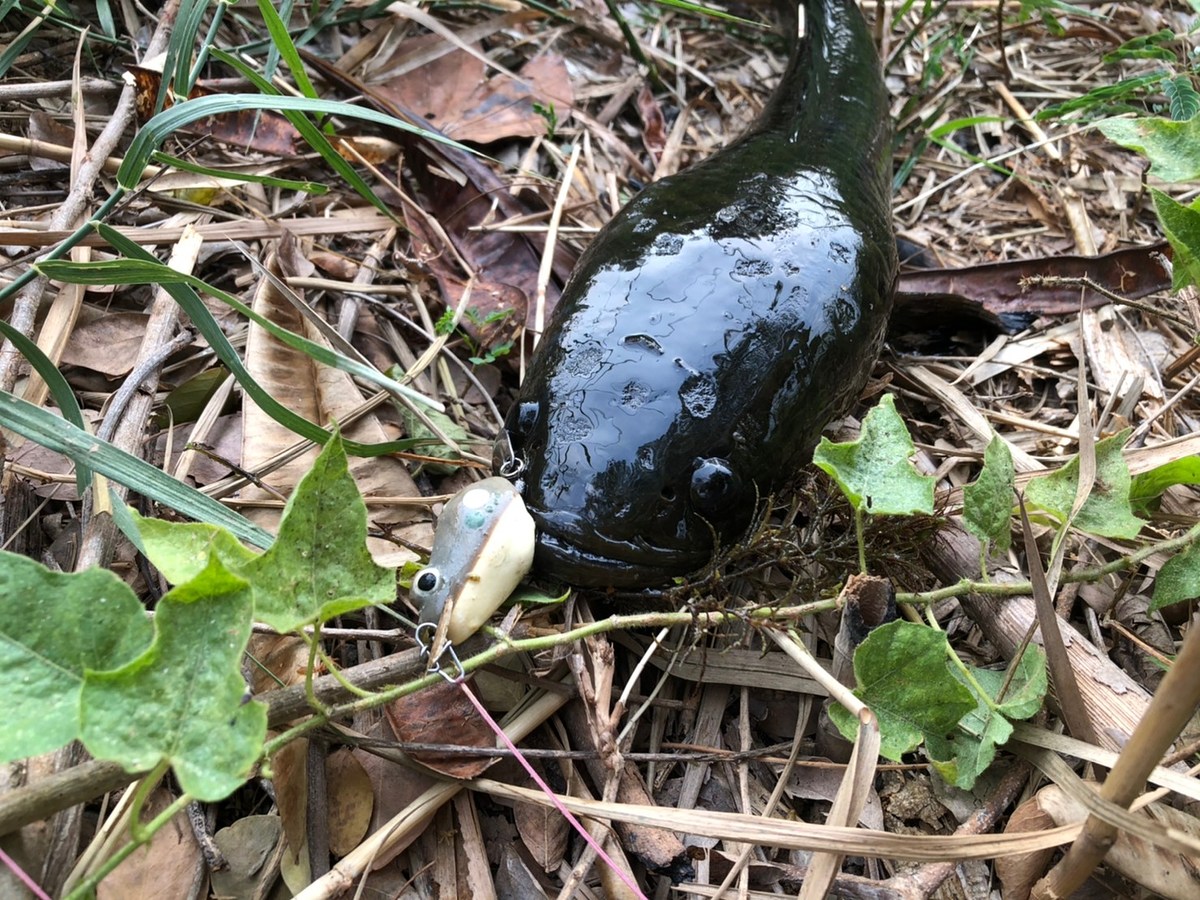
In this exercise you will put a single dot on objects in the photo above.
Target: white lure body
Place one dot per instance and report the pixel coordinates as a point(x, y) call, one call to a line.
point(482, 548)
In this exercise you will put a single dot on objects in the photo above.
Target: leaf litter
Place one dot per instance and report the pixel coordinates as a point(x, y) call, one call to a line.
point(993, 193)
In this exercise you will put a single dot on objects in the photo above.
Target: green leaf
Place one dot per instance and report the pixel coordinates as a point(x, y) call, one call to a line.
point(1145, 46)
point(54, 626)
point(988, 503)
point(181, 550)
point(964, 756)
point(287, 184)
point(1182, 99)
point(1149, 486)
point(183, 700)
point(319, 566)
point(1173, 148)
point(1181, 224)
point(902, 673)
point(1027, 688)
point(1108, 97)
point(1179, 579)
point(426, 443)
point(1106, 512)
point(874, 472)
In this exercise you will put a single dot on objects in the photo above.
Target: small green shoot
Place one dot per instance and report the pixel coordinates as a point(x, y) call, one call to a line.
point(550, 115)
point(480, 356)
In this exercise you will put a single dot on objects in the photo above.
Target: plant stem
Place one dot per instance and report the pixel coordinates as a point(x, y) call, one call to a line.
point(862, 543)
point(87, 887)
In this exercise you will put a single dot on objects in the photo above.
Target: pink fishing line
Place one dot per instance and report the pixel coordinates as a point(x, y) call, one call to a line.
point(20, 873)
point(566, 813)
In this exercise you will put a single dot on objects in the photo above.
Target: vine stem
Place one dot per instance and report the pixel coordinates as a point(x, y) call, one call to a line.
point(1018, 588)
point(142, 834)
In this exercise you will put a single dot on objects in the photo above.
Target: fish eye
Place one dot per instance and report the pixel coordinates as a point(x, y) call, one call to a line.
point(426, 582)
point(714, 487)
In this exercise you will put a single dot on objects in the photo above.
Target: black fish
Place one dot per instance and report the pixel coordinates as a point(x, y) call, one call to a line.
point(713, 328)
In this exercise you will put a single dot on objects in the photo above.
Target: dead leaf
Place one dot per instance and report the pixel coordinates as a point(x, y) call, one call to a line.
point(997, 287)
point(453, 95)
point(441, 714)
point(654, 125)
point(170, 866)
point(320, 394)
point(544, 832)
point(108, 343)
point(350, 801)
point(44, 127)
point(475, 197)
point(251, 129)
point(248, 846)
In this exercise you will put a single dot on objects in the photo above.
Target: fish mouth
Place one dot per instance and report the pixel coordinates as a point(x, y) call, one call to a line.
point(573, 551)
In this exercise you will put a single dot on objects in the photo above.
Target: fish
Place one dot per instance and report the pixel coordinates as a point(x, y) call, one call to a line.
point(713, 327)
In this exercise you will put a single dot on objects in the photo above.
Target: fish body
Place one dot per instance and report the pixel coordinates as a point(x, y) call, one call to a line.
point(713, 327)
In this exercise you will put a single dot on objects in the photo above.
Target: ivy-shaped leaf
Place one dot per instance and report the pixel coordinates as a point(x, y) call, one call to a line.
point(902, 673)
point(1173, 148)
point(53, 627)
point(1106, 512)
point(1181, 225)
point(874, 472)
point(962, 757)
point(319, 566)
point(181, 550)
point(183, 700)
point(988, 502)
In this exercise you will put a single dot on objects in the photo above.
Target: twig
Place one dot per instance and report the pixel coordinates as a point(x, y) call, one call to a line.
point(1084, 282)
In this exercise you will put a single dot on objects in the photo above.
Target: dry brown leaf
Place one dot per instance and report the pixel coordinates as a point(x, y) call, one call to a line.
point(1018, 873)
point(350, 801)
point(107, 343)
point(169, 867)
point(289, 770)
point(544, 832)
point(321, 394)
point(452, 94)
point(394, 786)
point(441, 714)
point(250, 129)
point(249, 846)
point(654, 125)
point(45, 128)
point(1134, 273)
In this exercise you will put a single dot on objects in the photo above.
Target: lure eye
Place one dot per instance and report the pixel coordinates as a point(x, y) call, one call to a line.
point(714, 487)
point(426, 582)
